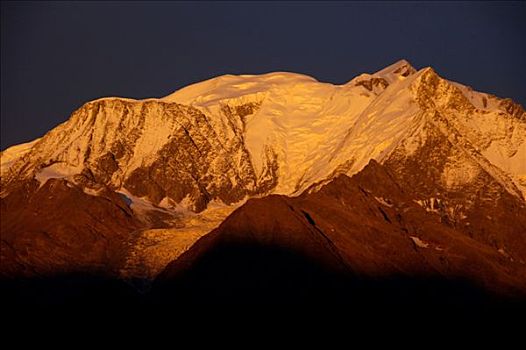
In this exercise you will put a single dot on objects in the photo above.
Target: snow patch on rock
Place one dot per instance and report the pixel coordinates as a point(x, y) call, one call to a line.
point(419, 243)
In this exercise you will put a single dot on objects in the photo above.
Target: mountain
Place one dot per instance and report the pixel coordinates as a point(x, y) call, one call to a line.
point(354, 236)
point(124, 187)
point(236, 136)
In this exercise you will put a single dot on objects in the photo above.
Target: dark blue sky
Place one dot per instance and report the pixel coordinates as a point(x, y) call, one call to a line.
point(56, 56)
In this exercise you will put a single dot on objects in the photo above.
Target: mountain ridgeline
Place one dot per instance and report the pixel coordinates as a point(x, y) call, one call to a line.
point(262, 188)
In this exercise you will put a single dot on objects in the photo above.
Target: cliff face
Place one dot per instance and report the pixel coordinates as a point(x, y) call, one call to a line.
point(152, 149)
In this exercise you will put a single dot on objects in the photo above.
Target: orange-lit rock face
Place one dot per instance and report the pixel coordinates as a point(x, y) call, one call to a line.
point(367, 225)
point(59, 229)
point(124, 187)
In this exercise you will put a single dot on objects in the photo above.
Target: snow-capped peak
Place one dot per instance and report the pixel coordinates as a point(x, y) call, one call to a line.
point(379, 81)
point(242, 135)
point(396, 71)
point(230, 86)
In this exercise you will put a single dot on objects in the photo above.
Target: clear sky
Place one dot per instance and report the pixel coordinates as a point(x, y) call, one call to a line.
point(57, 56)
